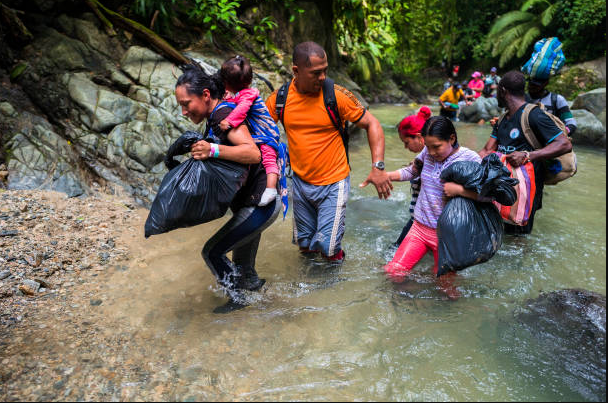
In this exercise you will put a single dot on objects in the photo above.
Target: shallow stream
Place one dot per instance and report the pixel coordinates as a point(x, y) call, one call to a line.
point(333, 334)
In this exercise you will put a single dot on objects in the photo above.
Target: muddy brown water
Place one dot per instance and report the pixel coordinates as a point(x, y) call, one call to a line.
point(325, 333)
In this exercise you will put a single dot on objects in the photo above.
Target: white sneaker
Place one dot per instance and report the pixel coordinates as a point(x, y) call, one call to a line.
point(268, 196)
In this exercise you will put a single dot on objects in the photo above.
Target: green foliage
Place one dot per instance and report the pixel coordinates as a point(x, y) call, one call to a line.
point(514, 32)
point(146, 9)
point(583, 29)
point(215, 17)
point(365, 33)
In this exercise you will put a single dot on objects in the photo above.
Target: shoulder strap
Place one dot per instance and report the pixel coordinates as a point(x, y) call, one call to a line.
point(525, 126)
point(331, 105)
point(281, 99)
point(554, 103)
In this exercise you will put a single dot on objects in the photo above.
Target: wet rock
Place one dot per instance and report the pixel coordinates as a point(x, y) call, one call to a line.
point(569, 332)
point(29, 287)
point(589, 130)
point(593, 101)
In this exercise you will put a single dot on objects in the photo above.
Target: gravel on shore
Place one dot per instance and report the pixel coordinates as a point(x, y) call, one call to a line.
point(49, 243)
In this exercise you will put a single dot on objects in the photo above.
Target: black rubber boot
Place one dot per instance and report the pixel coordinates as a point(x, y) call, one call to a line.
point(237, 301)
point(249, 280)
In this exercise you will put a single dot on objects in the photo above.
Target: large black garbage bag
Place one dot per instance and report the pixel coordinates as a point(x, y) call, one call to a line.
point(469, 233)
point(497, 182)
point(193, 192)
point(489, 179)
point(466, 173)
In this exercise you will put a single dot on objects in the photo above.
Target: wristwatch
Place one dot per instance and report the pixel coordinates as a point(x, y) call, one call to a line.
point(379, 165)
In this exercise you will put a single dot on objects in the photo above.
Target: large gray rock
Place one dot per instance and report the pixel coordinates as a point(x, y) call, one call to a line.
point(566, 330)
point(482, 108)
point(590, 130)
point(593, 101)
point(602, 117)
point(598, 66)
point(105, 109)
point(149, 69)
point(41, 159)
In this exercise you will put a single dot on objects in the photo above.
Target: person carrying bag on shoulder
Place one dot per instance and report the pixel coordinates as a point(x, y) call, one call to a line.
point(515, 136)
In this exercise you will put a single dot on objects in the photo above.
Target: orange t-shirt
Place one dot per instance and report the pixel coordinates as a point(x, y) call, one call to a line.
point(316, 150)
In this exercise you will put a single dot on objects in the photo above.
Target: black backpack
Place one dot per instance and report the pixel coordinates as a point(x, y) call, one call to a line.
point(331, 106)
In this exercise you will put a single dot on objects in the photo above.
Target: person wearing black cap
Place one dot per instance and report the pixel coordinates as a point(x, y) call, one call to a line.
point(508, 138)
point(554, 103)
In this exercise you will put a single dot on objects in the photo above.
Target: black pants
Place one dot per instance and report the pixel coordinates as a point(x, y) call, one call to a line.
point(241, 235)
point(405, 230)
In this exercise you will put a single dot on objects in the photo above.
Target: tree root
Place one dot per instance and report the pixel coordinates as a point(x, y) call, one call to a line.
point(142, 32)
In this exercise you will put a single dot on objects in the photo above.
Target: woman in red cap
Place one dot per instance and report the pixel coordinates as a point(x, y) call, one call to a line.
point(410, 133)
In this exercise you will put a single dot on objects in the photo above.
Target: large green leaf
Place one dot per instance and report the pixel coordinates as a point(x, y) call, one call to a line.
point(528, 39)
point(547, 16)
point(531, 3)
point(509, 19)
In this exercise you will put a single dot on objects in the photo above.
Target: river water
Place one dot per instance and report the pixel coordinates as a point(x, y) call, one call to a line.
point(345, 333)
point(326, 333)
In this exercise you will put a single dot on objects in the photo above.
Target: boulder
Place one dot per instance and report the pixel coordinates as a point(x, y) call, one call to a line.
point(566, 329)
point(41, 159)
point(602, 117)
point(590, 130)
point(105, 109)
point(598, 66)
point(482, 108)
point(593, 101)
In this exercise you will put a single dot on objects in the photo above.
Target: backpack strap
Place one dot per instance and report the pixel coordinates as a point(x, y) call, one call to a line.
point(554, 103)
point(527, 129)
point(331, 105)
point(281, 99)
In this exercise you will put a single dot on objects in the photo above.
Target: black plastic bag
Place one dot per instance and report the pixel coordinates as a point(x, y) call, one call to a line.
point(497, 181)
point(466, 173)
point(469, 233)
point(489, 179)
point(193, 192)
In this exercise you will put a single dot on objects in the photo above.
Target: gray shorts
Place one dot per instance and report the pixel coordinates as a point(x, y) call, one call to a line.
point(318, 215)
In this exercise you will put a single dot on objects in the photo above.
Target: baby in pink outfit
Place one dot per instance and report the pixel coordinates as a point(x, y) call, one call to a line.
point(237, 75)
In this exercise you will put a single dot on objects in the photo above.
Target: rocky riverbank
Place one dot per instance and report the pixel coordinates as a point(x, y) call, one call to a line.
point(50, 243)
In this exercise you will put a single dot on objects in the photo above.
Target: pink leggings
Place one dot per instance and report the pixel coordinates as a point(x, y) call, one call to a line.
point(419, 240)
point(269, 159)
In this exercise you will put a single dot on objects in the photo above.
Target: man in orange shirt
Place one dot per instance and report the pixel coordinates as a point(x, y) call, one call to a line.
point(321, 179)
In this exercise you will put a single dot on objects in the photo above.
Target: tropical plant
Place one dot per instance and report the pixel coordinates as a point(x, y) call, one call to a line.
point(365, 33)
point(513, 33)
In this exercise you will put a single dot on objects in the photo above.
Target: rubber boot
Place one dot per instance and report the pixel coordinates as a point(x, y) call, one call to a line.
point(249, 280)
point(235, 302)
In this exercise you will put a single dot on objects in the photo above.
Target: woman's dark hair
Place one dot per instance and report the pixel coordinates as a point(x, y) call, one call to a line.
point(237, 72)
point(440, 127)
point(195, 79)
